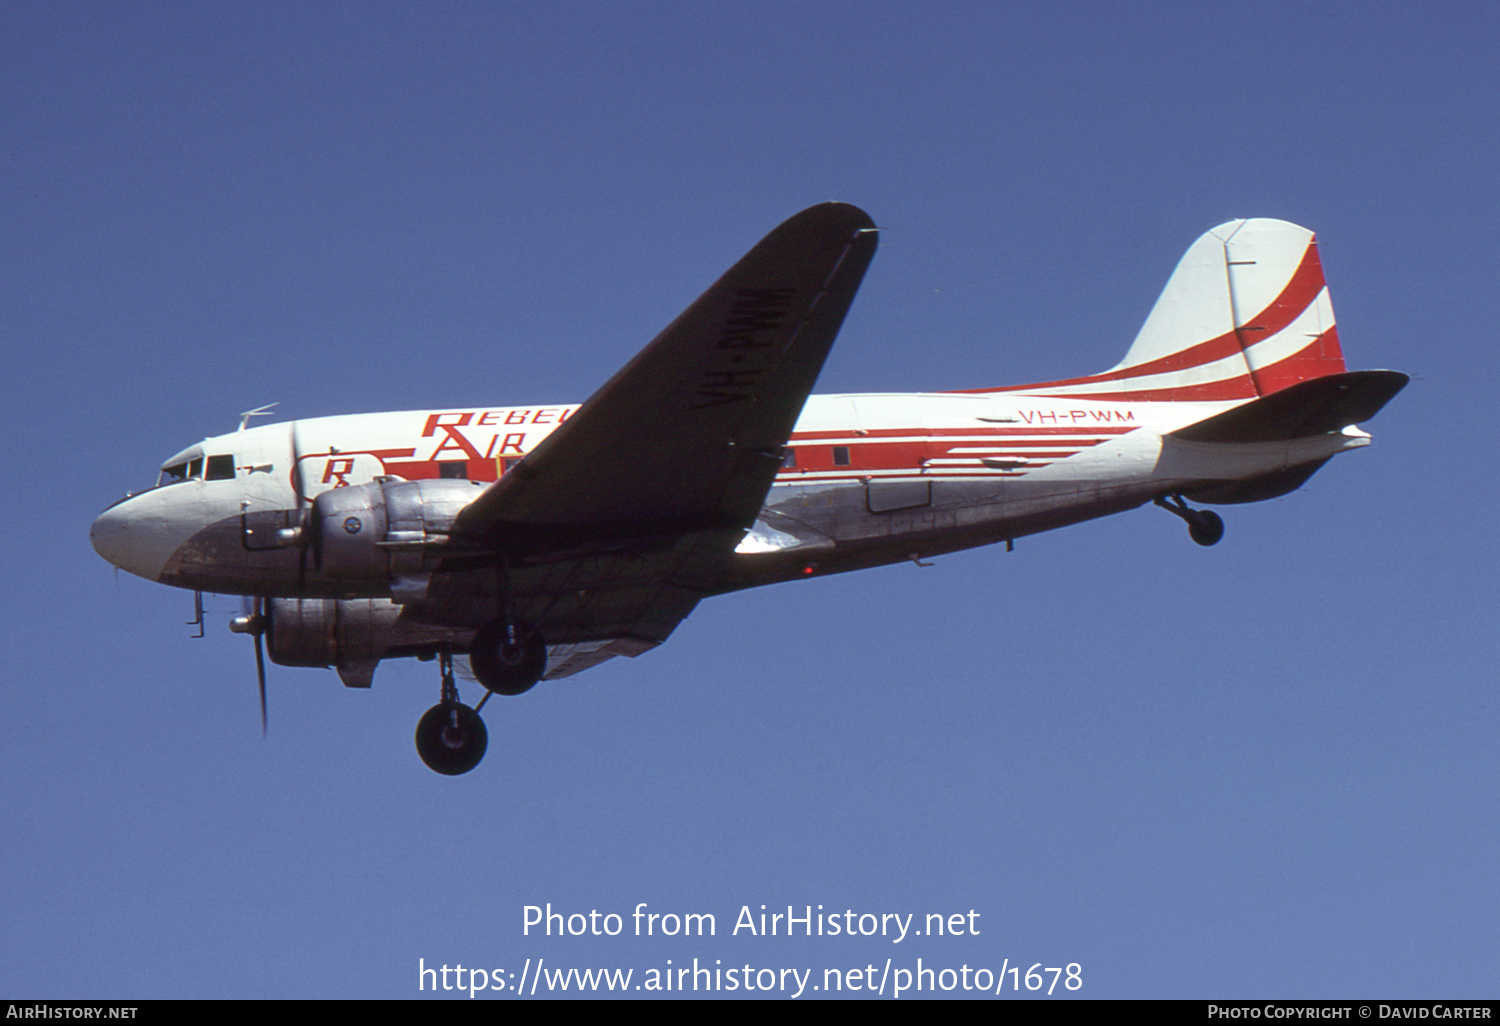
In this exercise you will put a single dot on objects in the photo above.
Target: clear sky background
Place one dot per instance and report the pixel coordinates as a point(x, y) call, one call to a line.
point(1264, 769)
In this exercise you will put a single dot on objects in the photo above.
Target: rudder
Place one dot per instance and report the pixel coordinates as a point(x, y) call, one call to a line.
point(1245, 314)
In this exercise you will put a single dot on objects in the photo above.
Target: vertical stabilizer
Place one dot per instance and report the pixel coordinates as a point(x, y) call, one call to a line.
point(1248, 299)
point(1245, 314)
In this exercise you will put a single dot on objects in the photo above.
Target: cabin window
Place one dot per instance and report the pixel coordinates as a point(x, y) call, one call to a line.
point(789, 457)
point(840, 455)
point(458, 470)
point(220, 468)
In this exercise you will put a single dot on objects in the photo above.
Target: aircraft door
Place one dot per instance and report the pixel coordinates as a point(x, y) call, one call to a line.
point(892, 440)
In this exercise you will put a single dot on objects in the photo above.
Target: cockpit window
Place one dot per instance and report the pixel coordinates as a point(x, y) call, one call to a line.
point(192, 470)
point(220, 468)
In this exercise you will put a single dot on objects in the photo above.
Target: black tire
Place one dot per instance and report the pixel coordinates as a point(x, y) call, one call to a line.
point(504, 668)
point(1206, 527)
point(451, 738)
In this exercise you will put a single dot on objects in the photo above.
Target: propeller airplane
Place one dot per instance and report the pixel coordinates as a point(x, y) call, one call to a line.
point(540, 541)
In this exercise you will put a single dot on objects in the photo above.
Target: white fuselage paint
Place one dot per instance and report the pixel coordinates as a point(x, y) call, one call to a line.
point(990, 460)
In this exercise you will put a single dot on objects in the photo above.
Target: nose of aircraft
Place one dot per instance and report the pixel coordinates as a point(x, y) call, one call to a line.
point(122, 535)
point(110, 535)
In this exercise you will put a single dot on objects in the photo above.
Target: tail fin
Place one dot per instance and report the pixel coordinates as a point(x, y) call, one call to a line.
point(1245, 314)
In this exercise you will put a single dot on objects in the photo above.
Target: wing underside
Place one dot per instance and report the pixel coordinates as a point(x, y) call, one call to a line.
point(622, 519)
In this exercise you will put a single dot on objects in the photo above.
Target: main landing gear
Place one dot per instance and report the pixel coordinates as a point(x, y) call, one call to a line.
point(1204, 525)
point(507, 659)
point(451, 737)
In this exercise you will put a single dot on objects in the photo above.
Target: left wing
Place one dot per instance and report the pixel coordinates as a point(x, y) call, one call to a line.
point(618, 523)
point(688, 435)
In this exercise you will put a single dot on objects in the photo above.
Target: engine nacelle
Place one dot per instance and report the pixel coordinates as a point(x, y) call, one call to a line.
point(347, 632)
point(380, 534)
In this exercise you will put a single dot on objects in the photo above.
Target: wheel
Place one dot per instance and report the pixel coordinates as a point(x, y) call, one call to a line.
point(1206, 527)
point(451, 738)
point(504, 668)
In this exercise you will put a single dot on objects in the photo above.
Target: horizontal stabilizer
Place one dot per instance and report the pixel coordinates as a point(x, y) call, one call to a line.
point(1312, 407)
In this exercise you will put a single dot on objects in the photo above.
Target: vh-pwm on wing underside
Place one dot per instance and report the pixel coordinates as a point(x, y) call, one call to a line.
point(543, 540)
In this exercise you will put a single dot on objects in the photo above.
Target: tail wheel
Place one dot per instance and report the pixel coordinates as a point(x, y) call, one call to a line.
point(506, 658)
point(1206, 527)
point(451, 738)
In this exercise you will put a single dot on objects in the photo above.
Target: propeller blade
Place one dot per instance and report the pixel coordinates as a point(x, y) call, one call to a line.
point(253, 623)
point(260, 673)
point(304, 519)
point(260, 657)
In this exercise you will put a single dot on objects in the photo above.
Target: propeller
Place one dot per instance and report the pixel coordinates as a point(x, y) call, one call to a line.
point(253, 623)
point(255, 619)
point(304, 525)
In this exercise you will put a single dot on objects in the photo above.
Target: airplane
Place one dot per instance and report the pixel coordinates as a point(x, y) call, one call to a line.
point(540, 541)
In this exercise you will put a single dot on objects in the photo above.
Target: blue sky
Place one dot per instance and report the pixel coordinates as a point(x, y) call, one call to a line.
point(1264, 769)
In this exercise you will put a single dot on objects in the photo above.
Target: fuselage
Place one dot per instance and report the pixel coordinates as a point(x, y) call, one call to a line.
point(866, 479)
point(541, 541)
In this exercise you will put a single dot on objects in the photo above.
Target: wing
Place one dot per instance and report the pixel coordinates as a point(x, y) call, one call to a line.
point(688, 435)
point(621, 520)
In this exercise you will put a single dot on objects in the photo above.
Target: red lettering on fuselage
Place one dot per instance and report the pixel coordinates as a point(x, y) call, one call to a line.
point(435, 421)
point(511, 446)
point(1077, 416)
point(336, 470)
point(493, 418)
point(454, 442)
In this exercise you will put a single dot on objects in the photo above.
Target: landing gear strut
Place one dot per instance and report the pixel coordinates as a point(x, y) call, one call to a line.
point(1204, 526)
point(507, 658)
point(451, 738)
